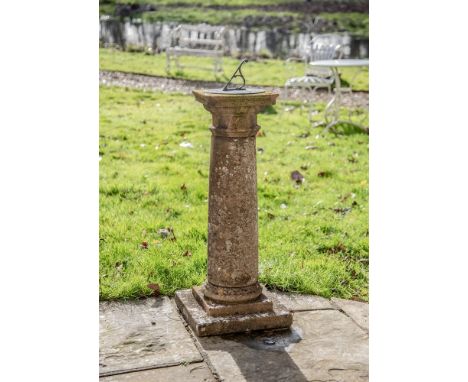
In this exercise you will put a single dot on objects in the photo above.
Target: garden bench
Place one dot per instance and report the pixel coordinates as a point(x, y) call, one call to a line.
point(196, 40)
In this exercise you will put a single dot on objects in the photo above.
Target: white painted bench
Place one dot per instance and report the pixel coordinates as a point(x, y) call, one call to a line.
point(196, 40)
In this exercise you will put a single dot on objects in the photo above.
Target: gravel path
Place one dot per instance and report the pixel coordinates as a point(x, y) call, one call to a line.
point(153, 83)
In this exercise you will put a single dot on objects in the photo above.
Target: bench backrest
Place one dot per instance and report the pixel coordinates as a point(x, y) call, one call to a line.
point(323, 49)
point(200, 36)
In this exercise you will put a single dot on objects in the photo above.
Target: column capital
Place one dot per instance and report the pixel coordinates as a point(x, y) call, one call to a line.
point(235, 115)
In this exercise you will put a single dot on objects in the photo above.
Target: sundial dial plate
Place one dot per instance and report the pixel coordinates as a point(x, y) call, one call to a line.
point(233, 89)
point(236, 91)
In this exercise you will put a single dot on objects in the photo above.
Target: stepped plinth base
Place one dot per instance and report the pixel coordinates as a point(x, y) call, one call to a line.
point(224, 319)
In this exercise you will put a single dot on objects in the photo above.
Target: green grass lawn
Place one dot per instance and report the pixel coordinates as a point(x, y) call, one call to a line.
point(313, 237)
point(240, 12)
point(354, 23)
point(262, 72)
point(203, 2)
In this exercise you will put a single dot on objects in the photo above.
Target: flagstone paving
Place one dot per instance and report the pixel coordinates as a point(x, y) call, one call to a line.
point(142, 334)
point(327, 342)
point(358, 311)
point(302, 302)
point(195, 372)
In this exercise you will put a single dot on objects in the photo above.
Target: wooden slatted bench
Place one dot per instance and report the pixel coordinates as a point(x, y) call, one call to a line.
point(196, 40)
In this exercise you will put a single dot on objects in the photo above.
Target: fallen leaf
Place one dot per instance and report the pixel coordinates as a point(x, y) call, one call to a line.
point(187, 254)
point(270, 215)
point(342, 210)
point(155, 288)
point(261, 133)
point(144, 245)
point(260, 150)
point(337, 248)
point(297, 177)
point(183, 187)
point(311, 147)
point(324, 174)
point(345, 197)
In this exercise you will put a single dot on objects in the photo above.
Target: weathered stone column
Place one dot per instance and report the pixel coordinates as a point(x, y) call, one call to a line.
point(232, 288)
point(232, 208)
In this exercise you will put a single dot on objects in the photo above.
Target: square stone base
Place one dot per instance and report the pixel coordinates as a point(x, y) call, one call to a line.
point(260, 305)
point(205, 325)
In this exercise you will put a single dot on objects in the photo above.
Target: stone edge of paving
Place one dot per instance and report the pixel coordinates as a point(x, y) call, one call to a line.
point(343, 306)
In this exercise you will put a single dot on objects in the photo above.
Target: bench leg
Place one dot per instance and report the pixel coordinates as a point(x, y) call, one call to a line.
point(217, 63)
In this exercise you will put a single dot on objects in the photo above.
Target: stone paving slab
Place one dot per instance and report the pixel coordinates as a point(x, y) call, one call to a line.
point(142, 334)
point(196, 372)
point(358, 311)
point(323, 345)
point(301, 302)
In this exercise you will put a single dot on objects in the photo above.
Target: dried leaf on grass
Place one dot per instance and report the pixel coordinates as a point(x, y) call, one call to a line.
point(270, 215)
point(155, 288)
point(324, 174)
point(297, 177)
point(342, 210)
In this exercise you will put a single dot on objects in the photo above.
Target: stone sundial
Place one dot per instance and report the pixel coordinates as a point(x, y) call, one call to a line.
point(232, 300)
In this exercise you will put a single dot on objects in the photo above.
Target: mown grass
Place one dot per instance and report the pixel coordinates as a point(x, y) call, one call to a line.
point(196, 15)
point(204, 2)
point(354, 23)
point(269, 72)
point(313, 236)
point(243, 12)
